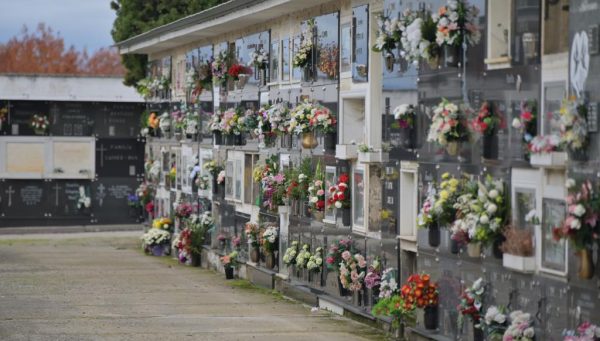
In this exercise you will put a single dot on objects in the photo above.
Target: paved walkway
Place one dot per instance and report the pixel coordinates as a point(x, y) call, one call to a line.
point(99, 286)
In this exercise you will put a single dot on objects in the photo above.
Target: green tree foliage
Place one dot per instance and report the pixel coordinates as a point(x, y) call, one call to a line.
point(138, 16)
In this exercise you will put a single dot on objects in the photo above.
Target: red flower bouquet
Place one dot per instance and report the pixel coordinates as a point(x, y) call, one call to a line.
point(339, 193)
point(236, 70)
point(487, 120)
point(419, 292)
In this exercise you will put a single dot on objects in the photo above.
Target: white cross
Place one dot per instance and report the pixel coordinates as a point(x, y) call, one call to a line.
point(101, 150)
point(10, 192)
point(57, 188)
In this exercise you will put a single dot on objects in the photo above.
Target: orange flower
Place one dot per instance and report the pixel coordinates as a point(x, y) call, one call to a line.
point(442, 10)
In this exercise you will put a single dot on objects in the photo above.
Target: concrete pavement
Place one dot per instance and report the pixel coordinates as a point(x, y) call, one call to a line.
point(100, 286)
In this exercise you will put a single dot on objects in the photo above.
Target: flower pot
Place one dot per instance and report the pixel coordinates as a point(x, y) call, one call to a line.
point(586, 264)
point(518, 263)
point(309, 141)
point(270, 261)
point(434, 235)
point(158, 250)
point(577, 154)
point(254, 255)
point(451, 55)
point(490, 146)
point(496, 251)
point(390, 61)
point(217, 138)
point(454, 247)
point(478, 334)
point(431, 317)
point(452, 148)
point(398, 333)
point(229, 272)
point(308, 74)
point(474, 250)
point(346, 216)
point(318, 215)
point(196, 260)
point(408, 138)
point(329, 141)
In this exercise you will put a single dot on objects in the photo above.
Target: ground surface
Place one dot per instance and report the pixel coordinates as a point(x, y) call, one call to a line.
point(99, 286)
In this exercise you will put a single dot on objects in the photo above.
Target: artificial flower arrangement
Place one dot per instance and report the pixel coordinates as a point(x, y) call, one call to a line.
point(149, 86)
point(573, 124)
point(328, 60)
point(230, 260)
point(190, 122)
point(221, 177)
point(251, 230)
point(494, 322)
point(394, 307)
point(273, 184)
point(584, 332)
point(264, 130)
point(419, 292)
point(456, 24)
point(133, 201)
point(231, 122)
point(236, 242)
point(438, 206)
point(215, 121)
point(373, 277)
point(203, 223)
point(153, 121)
point(334, 254)
point(268, 239)
point(448, 126)
point(280, 118)
point(183, 210)
point(405, 114)
point(353, 269)
point(219, 68)
point(259, 58)
point(155, 237)
point(236, 71)
point(339, 193)
point(413, 42)
point(198, 78)
point(526, 123)
point(172, 175)
point(203, 182)
point(388, 34)
point(145, 193)
point(162, 223)
point(309, 116)
point(181, 243)
point(316, 192)
point(39, 123)
point(470, 305)
point(520, 328)
point(488, 119)
point(289, 257)
point(481, 211)
point(581, 223)
point(315, 262)
point(388, 286)
point(213, 168)
point(303, 257)
point(303, 57)
point(178, 118)
point(298, 180)
point(518, 242)
point(164, 122)
point(541, 144)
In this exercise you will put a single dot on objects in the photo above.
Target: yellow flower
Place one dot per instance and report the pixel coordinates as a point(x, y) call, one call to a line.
point(444, 184)
point(445, 175)
point(444, 195)
point(453, 182)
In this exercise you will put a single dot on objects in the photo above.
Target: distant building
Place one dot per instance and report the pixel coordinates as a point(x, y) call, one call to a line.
point(83, 160)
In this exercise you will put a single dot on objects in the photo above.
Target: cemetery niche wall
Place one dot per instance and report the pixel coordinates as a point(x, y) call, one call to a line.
point(66, 162)
point(452, 165)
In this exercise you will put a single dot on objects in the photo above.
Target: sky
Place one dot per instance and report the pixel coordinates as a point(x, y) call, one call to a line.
point(82, 23)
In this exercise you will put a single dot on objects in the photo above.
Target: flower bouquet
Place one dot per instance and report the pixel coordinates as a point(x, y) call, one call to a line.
point(39, 124)
point(303, 58)
point(316, 197)
point(405, 115)
point(544, 151)
point(162, 223)
point(240, 74)
point(581, 223)
point(573, 128)
point(334, 254)
point(486, 123)
point(202, 182)
point(289, 257)
point(456, 27)
point(388, 286)
point(259, 59)
point(388, 39)
point(279, 118)
point(494, 323)
point(353, 269)
point(251, 230)
point(420, 292)
point(470, 306)
point(264, 130)
point(269, 239)
point(328, 60)
point(448, 126)
point(518, 249)
point(526, 123)
point(229, 263)
point(219, 68)
point(373, 278)
point(339, 198)
point(395, 308)
point(156, 241)
point(315, 262)
point(520, 328)
point(303, 257)
point(584, 332)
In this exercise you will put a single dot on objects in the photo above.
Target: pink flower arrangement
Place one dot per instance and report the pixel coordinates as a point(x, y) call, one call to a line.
point(585, 332)
point(544, 144)
point(334, 254)
point(373, 277)
point(352, 271)
point(581, 223)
